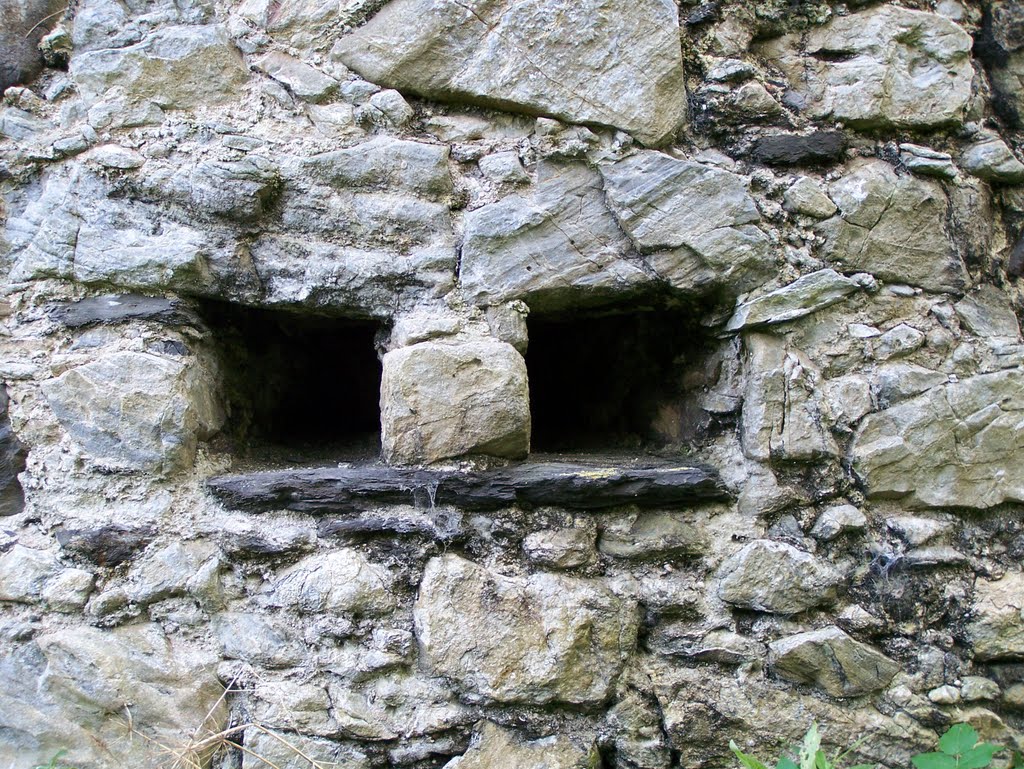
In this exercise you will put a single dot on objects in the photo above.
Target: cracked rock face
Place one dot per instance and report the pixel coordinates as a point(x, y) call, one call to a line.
point(829, 658)
point(598, 61)
point(776, 577)
point(544, 638)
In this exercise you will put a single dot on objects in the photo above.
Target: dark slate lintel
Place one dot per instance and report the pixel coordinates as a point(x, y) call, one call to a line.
point(814, 149)
point(121, 308)
point(573, 485)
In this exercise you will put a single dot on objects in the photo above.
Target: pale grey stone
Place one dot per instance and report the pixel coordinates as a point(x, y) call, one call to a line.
point(24, 572)
point(932, 557)
point(991, 159)
point(69, 590)
point(287, 750)
point(996, 631)
point(165, 572)
point(115, 156)
point(496, 748)
point(556, 244)
point(805, 295)
point(638, 736)
point(515, 642)
point(386, 108)
point(751, 101)
point(986, 312)
point(93, 679)
point(898, 341)
point(776, 577)
point(344, 580)
point(805, 196)
point(136, 411)
point(386, 164)
point(306, 82)
point(838, 520)
point(927, 162)
point(894, 382)
point(893, 227)
point(503, 168)
point(441, 400)
point(833, 661)
point(684, 639)
point(956, 445)
point(567, 548)
point(896, 68)
point(917, 531)
point(604, 63)
point(696, 222)
point(303, 707)
point(19, 125)
point(175, 67)
point(782, 415)
point(849, 398)
point(257, 640)
point(657, 535)
point(975, 688)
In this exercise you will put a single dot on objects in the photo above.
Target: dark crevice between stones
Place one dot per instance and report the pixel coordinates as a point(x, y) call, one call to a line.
point(298, 387)
point(616, 379)
point(12, 462)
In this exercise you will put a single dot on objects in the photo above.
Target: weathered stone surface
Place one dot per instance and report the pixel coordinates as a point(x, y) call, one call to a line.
point(304, 81)
point(817, 148)
point(135, 411)
point(990, 159)
point(287, 750)
point(256, 639)
point(830, 659)
point(567, 548)
point(12, 462)
point(443, 400)
point(654, 535)
point(776, 577)
point(343, 580)
point(882, 67)
point(25, 23)
point(926, 161)
point(783, 416)
point(557, 244)
point(696, 222)
point(176, 67)
point(837, 520)
point(93, 679)
point(807, 197)
point(121, 308)
point(954, 445)
point(24, 573)
point(893, 227)
point(986, 313)
point(539, 639)
point(575, 485)
point(805, 295)
point(495, 748)
point(600, 62)
point(108, 545)
point(997, 628)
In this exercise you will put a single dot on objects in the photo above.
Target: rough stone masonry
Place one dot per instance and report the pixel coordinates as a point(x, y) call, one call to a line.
point(508, 383)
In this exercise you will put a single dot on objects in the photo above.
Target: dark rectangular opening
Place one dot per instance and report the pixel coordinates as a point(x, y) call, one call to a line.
point(298, 386)
point(613, 381)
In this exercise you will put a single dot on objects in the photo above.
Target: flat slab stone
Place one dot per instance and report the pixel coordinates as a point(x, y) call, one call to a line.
point(574, 485)
point(120, 308)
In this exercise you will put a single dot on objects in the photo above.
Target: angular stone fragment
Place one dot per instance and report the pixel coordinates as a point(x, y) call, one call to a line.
point(86, 681)
point(558, 245)
point(783, 417)
point(135, 411)
point(108, 545)
point(306, 82)
point(24, 573)
point(837, 520)
point(600, 62)
point(443, 400)
point(497, 748)
point(884, 66)
point(805, 295)
point(654, 535)
point(817, 148)
point(257, 640)
point(926, 161)
point(991, 159)
point(830, 659)
point(956, 445)
point(776, 577)
point(893, 227)
point(697, 222)
point(242, 190)
point(806, 197)
point(175, 67)
point(533, 640)
point(986, 312)
point(343, 580)
point(996, 631)
point(567, 548)
point(386, 164)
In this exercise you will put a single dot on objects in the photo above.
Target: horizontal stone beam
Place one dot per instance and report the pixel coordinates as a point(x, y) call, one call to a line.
point(574, 485)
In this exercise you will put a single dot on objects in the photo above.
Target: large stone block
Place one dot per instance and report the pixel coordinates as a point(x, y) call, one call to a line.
point(893, 227)
point(497, 748)
point(136, 411)
point(776, 577)
point(885, 66)
point(441, 400)
point(996, 631)
point(176, 67)
point(532, 640)
point(340, 581)
point(832, 660)
point(599, 61)
point(956, 445)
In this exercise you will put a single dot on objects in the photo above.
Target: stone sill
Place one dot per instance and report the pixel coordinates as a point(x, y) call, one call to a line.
point(577, 484)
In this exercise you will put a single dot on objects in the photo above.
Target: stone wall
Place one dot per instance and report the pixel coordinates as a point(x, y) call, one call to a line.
point(290, 288)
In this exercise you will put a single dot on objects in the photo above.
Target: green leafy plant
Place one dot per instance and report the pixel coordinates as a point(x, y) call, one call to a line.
point(958, 749)
point(55, 762)
point(809, 756)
